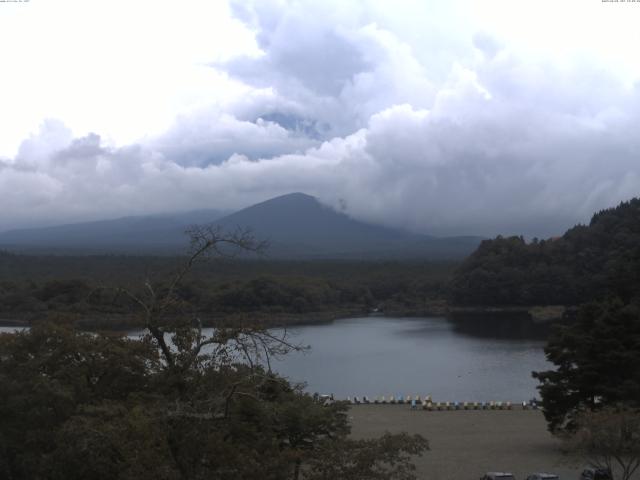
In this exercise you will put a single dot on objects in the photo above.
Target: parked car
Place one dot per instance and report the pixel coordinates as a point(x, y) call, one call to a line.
point(497, 476)
point(543, 476)
point(596, 474)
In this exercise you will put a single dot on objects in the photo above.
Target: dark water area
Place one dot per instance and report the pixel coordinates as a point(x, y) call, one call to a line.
point(501, 327)
point(460, 360)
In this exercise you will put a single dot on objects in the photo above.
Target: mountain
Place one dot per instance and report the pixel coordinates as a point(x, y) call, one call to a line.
point(298, 225)
point(156, 233)
point(295, 225)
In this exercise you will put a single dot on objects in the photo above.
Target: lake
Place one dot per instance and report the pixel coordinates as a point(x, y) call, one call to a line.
point(475, 360)
point(452, 361)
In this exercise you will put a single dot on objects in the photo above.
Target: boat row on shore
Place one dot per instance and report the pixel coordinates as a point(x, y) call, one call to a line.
point(426, 403)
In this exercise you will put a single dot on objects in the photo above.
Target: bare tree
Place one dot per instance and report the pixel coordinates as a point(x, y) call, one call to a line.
point(609, 439)
point(180, 338)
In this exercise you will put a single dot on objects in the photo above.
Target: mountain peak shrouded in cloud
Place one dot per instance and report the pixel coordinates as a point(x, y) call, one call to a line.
point(295, 225)
point(438, 118)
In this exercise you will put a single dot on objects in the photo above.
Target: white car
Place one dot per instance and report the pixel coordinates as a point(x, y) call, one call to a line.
point(497, 476)
point(543, 476)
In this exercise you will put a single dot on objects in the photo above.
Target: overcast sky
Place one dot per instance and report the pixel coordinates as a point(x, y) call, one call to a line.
point(441, 117)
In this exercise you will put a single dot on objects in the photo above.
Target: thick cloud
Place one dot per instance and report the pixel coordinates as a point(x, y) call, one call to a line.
point(446, 131)
point(205, 138)
point(333, 62)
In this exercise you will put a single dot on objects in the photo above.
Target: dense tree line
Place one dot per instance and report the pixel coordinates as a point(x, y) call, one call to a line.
point(83, 286)
point(587, 262)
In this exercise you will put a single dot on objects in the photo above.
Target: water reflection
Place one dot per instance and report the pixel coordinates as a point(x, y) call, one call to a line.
point(500, 327)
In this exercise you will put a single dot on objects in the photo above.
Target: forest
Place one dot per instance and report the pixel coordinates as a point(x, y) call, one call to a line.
point(589, 261)
point(36, 288)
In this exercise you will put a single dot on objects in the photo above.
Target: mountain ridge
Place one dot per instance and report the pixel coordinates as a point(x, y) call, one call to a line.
point(296, 225)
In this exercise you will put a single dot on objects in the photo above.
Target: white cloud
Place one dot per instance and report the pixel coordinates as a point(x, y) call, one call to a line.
point(424, 116)
point(121, 68)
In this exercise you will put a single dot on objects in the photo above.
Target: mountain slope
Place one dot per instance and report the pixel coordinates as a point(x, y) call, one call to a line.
point(300, 219)
point(130, 234)
point(298, 225)
point(295, 225)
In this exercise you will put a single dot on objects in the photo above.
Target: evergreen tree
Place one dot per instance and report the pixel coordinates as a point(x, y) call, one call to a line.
point(597, 360)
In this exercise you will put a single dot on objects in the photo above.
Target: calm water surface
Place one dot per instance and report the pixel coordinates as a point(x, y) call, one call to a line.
point(401, 356)
point(11, 329)
point(373, 356)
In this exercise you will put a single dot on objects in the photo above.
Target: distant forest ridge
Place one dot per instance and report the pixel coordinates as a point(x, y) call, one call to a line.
point(83, 288)
point(588, 262)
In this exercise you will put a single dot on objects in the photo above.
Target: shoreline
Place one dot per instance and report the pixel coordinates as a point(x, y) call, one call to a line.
point(126, 321)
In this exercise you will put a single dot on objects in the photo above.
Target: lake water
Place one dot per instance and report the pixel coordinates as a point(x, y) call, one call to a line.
point(477, 360)
point(11, 329)
point(418, 356)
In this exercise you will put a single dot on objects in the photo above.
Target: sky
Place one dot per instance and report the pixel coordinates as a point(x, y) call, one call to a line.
point(445, 118)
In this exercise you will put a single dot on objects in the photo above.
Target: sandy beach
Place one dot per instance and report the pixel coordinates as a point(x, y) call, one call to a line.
point(467, 443)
